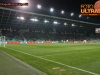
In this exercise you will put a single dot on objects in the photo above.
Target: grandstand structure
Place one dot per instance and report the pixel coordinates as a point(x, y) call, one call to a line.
point(19, 25)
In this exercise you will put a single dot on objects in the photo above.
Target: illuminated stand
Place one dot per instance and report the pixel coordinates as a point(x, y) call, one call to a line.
point(2, 41)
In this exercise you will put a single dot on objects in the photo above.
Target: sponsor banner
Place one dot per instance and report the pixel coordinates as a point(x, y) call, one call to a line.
point(75, 41)
point(80, 42)
point(70, 42)
point(51, 42)
point(40, 42)
point(54, 41)
point(13, 43)
point(47, 42)
point(94, 42)
point(88, 42)
point(32, 42)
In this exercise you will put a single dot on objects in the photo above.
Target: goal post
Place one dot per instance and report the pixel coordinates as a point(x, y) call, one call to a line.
point(2, 41)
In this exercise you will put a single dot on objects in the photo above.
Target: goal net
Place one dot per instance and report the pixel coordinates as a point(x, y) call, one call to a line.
point(2, 41)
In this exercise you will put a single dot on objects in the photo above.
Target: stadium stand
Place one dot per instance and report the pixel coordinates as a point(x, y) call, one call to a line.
point(32, 27)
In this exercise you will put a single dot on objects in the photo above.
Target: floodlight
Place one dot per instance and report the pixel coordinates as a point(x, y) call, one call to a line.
point(46, 21)
point(73, 25)
point(51, 9)
point(22, 18)
point(62, 12)
point(65, 24)
point(34, 20)
point(17, 17)
point(80, 16)
point(72, 14)
point(23, 1)
point(55, 22)
point(39, 6)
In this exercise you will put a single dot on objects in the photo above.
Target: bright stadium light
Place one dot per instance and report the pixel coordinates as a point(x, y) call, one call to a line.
point(65, 24)
point(18, 17)
point(25, 6)
point(46, 21)
point(32, 19)
point(51, 9)
point(55, 22)
point(22, 18)
point(35, 20)
point(72, 14)
point(23, 1)
point(39, 6)
point(62, 12)
point(80, 16)
point(73, 25)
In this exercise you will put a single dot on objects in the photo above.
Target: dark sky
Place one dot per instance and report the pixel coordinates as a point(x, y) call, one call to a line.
point(67, 5)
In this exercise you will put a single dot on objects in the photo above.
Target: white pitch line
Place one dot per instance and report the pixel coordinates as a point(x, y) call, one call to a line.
point(56, 62)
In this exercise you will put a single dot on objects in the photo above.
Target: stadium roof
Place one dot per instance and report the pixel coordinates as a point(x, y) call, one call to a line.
point(23, 19)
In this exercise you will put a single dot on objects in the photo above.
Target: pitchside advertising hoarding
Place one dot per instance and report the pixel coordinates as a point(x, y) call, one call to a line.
point(90, 9)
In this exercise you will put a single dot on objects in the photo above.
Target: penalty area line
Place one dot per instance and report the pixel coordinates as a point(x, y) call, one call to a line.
point(89, 72)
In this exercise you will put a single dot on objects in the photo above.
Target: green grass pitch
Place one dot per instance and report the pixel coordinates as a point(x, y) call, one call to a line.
point(59, 59)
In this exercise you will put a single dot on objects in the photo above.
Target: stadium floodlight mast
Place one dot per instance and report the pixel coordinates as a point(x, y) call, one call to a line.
point(62, 12)
point(51, 9)
point(39, 6)
point(72, 14)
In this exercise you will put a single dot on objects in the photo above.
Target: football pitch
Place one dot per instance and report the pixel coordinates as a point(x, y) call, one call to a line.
point(59, 59)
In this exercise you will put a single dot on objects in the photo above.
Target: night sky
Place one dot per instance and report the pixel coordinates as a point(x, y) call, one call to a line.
point(67, 5)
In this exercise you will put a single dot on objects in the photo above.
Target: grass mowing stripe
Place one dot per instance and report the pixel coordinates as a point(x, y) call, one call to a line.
point(56, 62)
point(63, 53)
